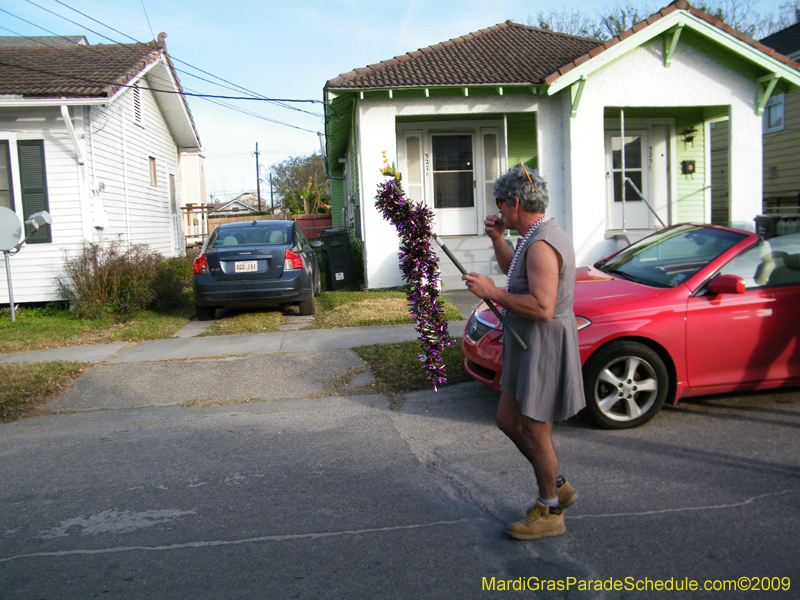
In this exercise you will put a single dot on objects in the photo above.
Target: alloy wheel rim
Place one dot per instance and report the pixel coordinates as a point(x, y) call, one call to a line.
point(626, 388)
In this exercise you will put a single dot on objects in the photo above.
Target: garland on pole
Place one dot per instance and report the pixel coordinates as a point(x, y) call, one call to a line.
point(420, 268)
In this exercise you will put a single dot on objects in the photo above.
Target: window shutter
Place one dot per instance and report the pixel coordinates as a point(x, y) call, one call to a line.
point(34, 187)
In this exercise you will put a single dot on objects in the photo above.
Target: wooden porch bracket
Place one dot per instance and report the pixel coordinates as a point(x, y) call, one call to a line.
point(764, 88)
point(670, 43)
point(575, 92)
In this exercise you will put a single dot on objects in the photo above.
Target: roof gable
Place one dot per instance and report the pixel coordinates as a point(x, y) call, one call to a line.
point(44, 74)
point(671, 20)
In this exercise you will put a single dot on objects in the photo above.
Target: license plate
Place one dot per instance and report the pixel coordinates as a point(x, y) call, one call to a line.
point(246, 266)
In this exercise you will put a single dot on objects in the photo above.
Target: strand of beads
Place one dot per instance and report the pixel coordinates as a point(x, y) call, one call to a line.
point(518, 252)
point(420, 269)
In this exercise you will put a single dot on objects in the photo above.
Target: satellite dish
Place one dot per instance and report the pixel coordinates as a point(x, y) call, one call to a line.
point(10, 229)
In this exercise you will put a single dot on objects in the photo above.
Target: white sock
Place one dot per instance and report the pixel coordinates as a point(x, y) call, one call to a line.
point(549, 502)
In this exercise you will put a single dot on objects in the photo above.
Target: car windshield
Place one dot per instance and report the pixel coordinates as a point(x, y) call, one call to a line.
point(249, 235)
point(670, 257)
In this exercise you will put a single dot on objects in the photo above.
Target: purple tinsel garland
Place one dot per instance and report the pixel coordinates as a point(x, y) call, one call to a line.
point(420, 267)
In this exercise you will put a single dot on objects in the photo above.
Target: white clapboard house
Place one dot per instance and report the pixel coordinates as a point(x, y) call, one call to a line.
point(94, 135)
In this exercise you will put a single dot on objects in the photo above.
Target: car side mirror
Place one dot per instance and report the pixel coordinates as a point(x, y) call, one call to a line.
point(316, 244)
point(727, 284)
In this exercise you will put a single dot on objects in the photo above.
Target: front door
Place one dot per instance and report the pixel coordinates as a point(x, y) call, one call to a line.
point(451, 170)
point(626, 209)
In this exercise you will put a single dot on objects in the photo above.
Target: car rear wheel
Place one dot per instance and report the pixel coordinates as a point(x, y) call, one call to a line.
point(317, 284)
point(307, 305)
point(626, 384)
point(205, 313)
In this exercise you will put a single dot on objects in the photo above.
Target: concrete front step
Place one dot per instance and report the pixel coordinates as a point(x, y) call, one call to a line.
point(468, 249)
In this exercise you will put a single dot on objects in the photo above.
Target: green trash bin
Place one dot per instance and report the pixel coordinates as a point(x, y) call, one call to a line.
point(337, 254)
point(767, 225)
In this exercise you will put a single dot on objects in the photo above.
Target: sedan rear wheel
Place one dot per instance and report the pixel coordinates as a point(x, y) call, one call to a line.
point(205, 313)
point(317, 284)
point(626, 384)
point(307, 305)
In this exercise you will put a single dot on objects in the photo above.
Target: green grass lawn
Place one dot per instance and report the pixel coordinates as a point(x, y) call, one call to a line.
point(26, 387)
point(398, 370)
point(55, 327)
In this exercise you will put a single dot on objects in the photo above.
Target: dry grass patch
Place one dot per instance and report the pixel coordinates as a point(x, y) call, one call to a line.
point(29, 386)
point(365, 313)
point(237, 322)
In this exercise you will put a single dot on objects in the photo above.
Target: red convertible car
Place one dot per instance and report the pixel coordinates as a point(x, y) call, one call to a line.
point(691, 310)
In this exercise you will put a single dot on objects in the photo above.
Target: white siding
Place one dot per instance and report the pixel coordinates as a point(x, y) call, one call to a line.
point(138, 213)
point(36, 267)
point(115, 151)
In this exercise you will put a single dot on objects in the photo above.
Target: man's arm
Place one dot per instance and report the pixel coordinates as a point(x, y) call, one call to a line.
point(543, 264)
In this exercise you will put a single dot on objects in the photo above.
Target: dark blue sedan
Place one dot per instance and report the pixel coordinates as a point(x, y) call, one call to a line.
point(255, 264)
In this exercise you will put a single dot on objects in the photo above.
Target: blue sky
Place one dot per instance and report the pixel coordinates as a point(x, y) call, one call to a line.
point(286, 49)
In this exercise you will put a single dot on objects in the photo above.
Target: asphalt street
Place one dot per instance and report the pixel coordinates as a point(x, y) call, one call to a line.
point(244, 487)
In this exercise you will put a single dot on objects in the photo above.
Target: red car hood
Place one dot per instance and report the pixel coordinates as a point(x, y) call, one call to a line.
point(598, 291)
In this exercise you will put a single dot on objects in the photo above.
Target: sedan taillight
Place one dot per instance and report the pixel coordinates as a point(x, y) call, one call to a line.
point(200, 265)
point(292, 261)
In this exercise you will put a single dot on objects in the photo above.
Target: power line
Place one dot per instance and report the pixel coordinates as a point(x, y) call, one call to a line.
point(185, 91)
point(101, 82)
point(276, 100)
point(146, 16)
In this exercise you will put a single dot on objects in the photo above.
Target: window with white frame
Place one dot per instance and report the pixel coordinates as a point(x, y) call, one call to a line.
point(31, 180)
point(6, 191)
point(773, 114)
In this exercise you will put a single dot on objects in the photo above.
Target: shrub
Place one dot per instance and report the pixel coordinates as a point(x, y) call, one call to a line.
point(110, 279)
point(167, 289)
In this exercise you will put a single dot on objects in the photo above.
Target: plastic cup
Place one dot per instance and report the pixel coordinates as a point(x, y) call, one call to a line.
point(479, 268)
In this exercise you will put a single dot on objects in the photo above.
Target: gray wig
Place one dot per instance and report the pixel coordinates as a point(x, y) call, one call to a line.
point(532, 193)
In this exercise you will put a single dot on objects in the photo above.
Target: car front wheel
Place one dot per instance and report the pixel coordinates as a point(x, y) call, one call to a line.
point(626, 384)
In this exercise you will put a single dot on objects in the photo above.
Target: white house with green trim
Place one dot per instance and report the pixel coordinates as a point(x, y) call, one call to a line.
point(456, 115)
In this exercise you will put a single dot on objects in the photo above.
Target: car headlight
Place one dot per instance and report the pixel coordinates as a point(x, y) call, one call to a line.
point(582, 322)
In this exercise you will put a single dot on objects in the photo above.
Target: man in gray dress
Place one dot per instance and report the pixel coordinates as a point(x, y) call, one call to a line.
point(543, 383)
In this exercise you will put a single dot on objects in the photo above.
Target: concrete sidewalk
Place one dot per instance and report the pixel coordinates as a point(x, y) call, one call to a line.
point(307, 340)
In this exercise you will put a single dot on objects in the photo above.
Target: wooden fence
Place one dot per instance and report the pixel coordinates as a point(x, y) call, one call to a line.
point(311, 225)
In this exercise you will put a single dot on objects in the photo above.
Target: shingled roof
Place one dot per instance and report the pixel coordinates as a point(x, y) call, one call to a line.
point(79, 71)
point(505, 54)
point(508, 54)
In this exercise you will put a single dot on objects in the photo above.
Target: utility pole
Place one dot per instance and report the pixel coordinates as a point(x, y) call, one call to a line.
point(271, 194)
point(258, 180)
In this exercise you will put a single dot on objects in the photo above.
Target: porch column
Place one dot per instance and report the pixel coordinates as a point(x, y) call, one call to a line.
point(745, 183)
point(375, 130)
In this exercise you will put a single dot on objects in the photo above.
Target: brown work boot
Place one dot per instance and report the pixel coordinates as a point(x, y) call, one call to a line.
point(541, 521)
point(567, 495)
